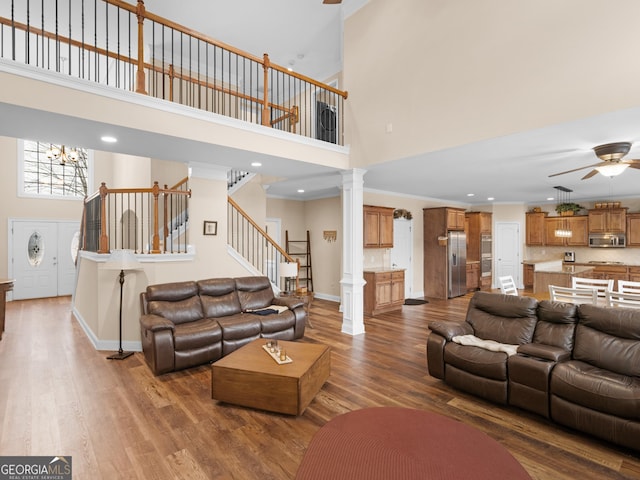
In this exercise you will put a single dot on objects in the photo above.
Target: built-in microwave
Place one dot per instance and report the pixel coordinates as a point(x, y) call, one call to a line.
point(607, 240)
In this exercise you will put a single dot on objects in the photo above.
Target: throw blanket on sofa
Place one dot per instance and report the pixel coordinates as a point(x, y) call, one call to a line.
point(492, 345)
point(268, 310)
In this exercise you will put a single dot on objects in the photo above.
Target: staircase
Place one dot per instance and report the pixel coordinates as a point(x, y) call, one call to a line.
point(300, 250)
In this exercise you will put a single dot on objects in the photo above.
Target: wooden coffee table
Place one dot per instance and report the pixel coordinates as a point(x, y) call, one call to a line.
point(251, 378)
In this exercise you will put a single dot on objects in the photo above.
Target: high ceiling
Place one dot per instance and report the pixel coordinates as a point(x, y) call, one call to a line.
point(307, 36)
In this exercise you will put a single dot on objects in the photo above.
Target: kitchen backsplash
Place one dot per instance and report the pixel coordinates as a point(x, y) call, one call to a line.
point(377, 258)
point(629, 255)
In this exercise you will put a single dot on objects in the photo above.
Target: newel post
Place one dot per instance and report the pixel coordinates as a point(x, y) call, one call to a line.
point(165, 203)
point(140, 75)
point(104, 238)
point(156, 237)
point(266, 120)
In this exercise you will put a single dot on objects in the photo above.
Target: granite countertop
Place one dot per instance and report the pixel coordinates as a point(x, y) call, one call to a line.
point(383, 270)
point(567, 269)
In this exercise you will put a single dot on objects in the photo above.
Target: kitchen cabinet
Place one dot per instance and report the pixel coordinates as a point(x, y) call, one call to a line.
point(634, 274)
point(378, 227)
point(633, 230)
point(383, 292)
point(577, 225)
point(438, 222)
point(607, 220)
point(473, 276)
point(535, 232)
point(607, 272)
point(528, 270)
point(455, 218)
point(478, 230)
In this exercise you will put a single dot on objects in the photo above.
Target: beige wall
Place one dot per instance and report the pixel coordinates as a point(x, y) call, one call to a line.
point(449, 73)
point(292, 216)
point(15, 206)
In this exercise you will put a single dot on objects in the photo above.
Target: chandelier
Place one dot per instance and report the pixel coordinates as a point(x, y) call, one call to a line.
point(55, 152)
point(563, 196)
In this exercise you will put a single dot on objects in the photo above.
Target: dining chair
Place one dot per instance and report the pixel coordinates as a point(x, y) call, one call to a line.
point(507, 285)
point(600, 285)
point(573, 295)
point(624, 300)
point(627, 286)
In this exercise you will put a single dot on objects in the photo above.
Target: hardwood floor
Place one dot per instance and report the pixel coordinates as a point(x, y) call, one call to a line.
point(58, 396)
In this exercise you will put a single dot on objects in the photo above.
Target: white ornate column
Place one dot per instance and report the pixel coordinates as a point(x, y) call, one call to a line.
point(352, 253)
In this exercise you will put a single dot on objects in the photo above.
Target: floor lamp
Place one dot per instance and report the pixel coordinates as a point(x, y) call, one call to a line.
point(121, 260)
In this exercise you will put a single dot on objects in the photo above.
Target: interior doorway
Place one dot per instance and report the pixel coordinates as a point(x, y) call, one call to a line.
point(400, 254)
point(42, 258)
point(508, 252)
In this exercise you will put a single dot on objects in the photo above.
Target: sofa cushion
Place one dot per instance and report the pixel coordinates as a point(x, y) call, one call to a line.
point(197, 334)
point(597, 389)
point(504, 318)
point(476, 360)
point(172, 292)
point(240, 326)
point(278, 322)
point(254, 292)
point(180, 311)
point(219, 297)
point(556, 324)
point(609, 338)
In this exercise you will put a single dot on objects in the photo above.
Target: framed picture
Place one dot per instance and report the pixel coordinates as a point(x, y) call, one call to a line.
point(210, 228)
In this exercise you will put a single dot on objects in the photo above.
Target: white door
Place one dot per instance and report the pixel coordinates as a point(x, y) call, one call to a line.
point(41, 260)
point(400, 254)
point(508, 251)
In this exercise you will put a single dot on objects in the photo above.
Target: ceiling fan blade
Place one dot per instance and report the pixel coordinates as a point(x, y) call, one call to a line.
point(331, 2)
point(634, 165)
point(590, 174)
point(577, 169)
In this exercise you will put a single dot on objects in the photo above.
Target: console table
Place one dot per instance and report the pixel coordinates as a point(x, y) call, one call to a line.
point(5, 286)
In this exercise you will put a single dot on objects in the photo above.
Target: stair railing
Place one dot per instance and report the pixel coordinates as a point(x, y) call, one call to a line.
point(129, 218)
point(254, 244)
point(103, 41)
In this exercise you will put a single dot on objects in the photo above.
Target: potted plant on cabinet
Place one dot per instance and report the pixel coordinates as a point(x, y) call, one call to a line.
point(568, 208)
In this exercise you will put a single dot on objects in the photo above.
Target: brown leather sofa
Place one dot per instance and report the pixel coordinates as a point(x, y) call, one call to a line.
point(184, 324)
point(576, 365)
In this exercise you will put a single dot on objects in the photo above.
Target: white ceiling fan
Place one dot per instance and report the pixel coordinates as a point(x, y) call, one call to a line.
point(612, 164)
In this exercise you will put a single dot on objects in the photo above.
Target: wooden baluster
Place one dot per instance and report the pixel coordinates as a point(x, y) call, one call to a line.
point(156, 236)
point(266, 121)
point(104, 238)
point(166, 217)
point(140, 75)
point(172, 74)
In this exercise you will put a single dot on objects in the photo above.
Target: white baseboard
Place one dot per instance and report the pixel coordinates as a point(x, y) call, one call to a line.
point(105, 345)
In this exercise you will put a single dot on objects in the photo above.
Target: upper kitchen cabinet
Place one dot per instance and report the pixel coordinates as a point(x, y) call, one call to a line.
point(478, 235)
point(378, 227)
point(607, 220)
point(535, 228)
point(633, 230)
point(455, 218)
point(577, 226)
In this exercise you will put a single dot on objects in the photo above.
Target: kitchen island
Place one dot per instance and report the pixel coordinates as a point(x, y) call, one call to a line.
point(384, 290)
point(558, 275)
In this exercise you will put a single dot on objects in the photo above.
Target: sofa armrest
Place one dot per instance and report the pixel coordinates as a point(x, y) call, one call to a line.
point(449, 329)
point(156, 323)
point(545, 352)
point(290, 302)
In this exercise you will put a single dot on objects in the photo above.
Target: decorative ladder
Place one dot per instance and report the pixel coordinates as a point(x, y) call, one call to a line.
point(301, 251)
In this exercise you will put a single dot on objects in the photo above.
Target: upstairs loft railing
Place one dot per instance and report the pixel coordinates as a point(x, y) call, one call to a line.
point(254, 244)
point(145, 220)
point(104, 41)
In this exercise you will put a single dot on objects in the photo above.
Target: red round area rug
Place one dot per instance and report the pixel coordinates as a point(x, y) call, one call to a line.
point(388, 443)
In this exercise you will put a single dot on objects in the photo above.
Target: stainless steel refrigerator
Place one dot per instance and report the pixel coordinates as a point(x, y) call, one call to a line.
point(457, 259)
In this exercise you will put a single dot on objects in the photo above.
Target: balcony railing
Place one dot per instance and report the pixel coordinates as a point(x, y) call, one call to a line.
point(145, 220)
point(104, 41)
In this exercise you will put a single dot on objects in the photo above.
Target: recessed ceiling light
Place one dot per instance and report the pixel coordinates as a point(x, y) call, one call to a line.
point(256, 164)
point(550, 198)
point(300, 190)
point(491, 199)
point(470, 194)
point(108, 139)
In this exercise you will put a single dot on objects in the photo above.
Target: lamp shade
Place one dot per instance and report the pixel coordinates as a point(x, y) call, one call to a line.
point(613, 169)
point(122, 260)
point(288, 270)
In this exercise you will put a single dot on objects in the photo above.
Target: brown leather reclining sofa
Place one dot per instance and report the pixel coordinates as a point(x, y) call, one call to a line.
point(576, 365)
point(184, 324)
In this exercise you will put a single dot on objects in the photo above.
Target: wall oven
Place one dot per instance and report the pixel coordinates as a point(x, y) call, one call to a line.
point(485, 245)
point(485, 266)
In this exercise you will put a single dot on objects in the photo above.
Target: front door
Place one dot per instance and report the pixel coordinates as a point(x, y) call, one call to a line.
point(42, 260)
